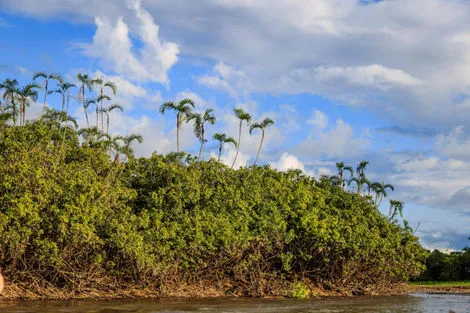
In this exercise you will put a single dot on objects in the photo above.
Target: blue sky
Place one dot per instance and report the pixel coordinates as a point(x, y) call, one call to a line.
point(345, 80)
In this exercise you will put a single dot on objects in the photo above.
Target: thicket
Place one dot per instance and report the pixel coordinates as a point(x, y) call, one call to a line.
point(72, 216)
point(454, 266)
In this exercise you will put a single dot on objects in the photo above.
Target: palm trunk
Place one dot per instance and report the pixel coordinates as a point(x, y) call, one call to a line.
point(178, 132)
point(260, 146)
point(67, 107)
point(202, 143)
point(96, 115)
point(86, 117)
point(24, 113)
point(97, 110)
point(238, 145)
point(380, 201)
point(63, 102)
point(102, 118)
point(107, 123)
point(45, 97)
point(220, 151)
point(84, 106)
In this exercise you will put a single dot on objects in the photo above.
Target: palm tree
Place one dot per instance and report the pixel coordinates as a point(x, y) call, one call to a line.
point(102, 84)
point(360, 180)
point(361, 168)
point(86, 105)
point(183, 110)
point(56, 118)
point(128, 140)
point(381, 191)
point(25, 95)
point(108, 110)
point(85, 82)
point(93, 137)
point(6, 114)
point(242, 116)
point(199, 126)
point(63, 91)
point(10, 89)
point(223, 139)
point(395, 207)
point(341, 168)
point(263, 125)
point(46, 77)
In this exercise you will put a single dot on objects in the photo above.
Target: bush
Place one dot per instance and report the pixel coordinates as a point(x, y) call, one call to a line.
point(70, 214)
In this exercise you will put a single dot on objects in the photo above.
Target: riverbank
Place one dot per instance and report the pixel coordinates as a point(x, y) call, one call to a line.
point(34, 291)
point(441, 287)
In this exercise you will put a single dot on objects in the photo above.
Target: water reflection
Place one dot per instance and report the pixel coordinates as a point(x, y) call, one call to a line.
point(429, 303)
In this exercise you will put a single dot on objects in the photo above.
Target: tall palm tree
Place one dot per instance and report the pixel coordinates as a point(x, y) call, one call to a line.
point(10, 88)
point(183, 110)
point(395, 207)
point(199, 126)
point(360, 180)
point(262, 125)
point(57, 118)
point(223, 139)
point(341, 169)
point(93, 137)
point(85, 82)
point(86, 105)
point(127, 141)
point(381, 191)
point(25, 95)
point(102, 84)
point(361, 168)
point(242, 116)
point(108, 110)
point(46, 77)
point(63, 90)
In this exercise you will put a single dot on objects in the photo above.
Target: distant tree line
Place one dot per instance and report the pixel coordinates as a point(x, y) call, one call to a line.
point(453, 266)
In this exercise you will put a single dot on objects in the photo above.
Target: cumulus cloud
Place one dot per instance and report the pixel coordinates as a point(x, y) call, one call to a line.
point(113, 46)
point(319, 119)
point(455, 144)
point(337, 142)
point(227, 78)
point(288, 162)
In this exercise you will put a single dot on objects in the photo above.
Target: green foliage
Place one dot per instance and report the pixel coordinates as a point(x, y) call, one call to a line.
point(300, 291)
point(70, 213)
point(441, 266)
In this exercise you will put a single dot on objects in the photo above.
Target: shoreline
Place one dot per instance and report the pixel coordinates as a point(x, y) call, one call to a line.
point(436, 289)
point(23, 291)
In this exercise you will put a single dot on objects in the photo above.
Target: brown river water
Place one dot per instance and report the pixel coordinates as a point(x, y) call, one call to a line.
point(418, 302)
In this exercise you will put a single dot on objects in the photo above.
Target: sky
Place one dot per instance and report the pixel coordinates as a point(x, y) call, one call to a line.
point(344, 80)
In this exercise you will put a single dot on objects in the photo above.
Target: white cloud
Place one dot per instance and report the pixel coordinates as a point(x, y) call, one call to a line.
point(374, 75)
point(319, 119)
point(227, 78)
point(418, 165)
point(288, 162)
point(455, 144)
point(112, 44)
point(337, 142)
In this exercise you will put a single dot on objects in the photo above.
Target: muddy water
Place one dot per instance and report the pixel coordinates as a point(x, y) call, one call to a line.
point(429, 303)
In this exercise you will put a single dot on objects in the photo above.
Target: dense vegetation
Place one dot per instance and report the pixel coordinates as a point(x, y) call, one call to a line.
point(78, 210)
point(454, 266)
